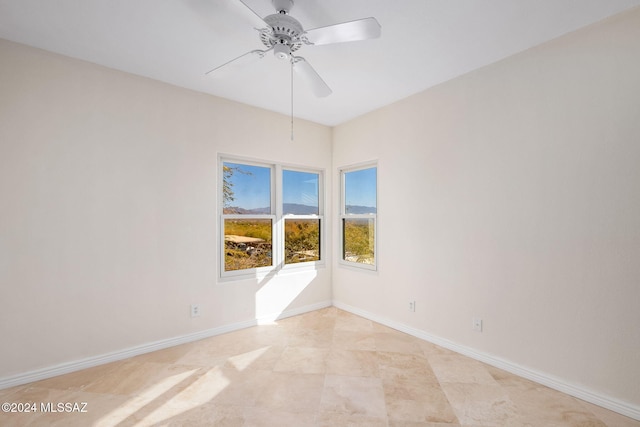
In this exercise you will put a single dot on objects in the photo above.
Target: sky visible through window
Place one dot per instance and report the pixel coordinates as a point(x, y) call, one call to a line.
point(300, 188)
point(360, 189)
point(251, 187)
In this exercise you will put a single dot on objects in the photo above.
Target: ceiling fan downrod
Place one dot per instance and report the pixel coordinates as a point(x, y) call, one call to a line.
point(282, 6)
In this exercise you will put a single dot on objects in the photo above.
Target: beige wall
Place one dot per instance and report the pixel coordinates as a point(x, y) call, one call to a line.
point(513, 194)
point(108, 228)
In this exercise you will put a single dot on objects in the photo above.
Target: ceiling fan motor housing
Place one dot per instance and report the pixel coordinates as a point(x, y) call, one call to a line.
point(284, 34)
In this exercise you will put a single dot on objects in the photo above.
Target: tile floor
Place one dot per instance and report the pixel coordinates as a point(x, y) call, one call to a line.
point(324, 368)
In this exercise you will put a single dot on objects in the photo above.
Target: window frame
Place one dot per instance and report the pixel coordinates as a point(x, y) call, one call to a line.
point(346, 216)
point(277, 219)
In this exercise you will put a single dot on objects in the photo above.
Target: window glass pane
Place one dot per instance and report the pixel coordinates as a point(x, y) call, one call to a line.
point(360, 191)
point(301, 240)
point(246, 189)
point(358, 240)
point(247, 243)
point(300, 193)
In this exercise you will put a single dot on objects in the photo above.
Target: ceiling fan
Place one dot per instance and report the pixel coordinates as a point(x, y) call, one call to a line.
point(283, 35)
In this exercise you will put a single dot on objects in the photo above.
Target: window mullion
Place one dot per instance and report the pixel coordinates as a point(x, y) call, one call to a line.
point(278, 247)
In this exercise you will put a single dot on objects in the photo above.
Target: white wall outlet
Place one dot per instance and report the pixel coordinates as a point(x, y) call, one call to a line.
point(477, 324)
point(195, 310)
point(412, 306)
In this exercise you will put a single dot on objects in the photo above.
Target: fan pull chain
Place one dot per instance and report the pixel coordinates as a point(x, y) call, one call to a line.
point(292, 99)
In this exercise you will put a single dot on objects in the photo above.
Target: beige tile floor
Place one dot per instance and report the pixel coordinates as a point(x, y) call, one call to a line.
point(324, 368)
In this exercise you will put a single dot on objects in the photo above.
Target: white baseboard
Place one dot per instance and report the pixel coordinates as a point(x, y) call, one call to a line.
point(76, 365)
point(623, 408)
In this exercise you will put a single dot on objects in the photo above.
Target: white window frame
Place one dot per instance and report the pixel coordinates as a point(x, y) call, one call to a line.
point(277, 219)
point(345, 216)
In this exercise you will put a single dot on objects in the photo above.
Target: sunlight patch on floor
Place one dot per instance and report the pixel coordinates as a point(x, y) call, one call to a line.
point(244, 360)
point(137, 403)
point(200, 392)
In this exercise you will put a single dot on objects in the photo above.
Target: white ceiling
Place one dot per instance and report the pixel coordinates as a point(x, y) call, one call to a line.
point(423, 43)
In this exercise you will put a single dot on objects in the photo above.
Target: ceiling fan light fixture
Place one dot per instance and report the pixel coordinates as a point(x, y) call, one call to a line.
point(282, 51)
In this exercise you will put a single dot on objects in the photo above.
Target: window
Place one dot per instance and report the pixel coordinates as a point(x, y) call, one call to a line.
point(301, 209)
point(358, 216)
point(247, 218)
point(271, 217)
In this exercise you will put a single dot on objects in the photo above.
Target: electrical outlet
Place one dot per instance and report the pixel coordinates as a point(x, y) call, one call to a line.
point(412, 306)
point(195, 310)
point(477, 324)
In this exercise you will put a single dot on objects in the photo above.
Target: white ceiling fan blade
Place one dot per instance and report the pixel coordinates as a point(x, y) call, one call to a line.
point(249, 13)
point(361, 29)
point(313, 79)
point(238, 62)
